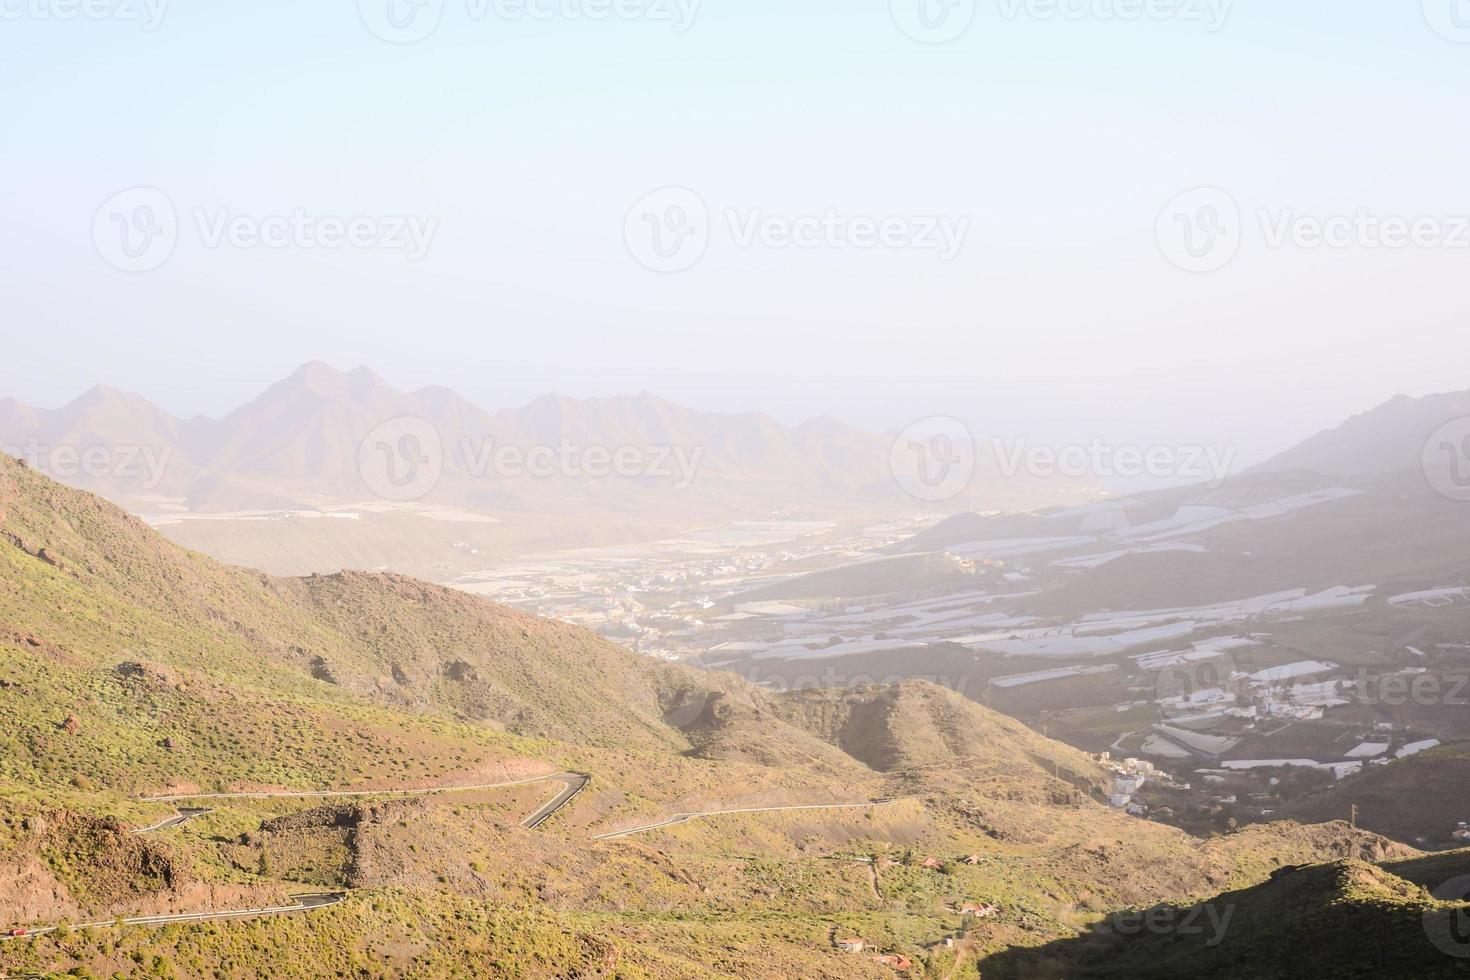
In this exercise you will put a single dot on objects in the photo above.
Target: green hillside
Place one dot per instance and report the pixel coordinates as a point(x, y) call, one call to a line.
point(133, 667)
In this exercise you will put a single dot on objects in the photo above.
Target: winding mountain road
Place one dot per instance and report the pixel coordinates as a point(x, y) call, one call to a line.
point(573, 784)
point(335, 794)
point(303, 903)
point(184, 815)
point(679, 818)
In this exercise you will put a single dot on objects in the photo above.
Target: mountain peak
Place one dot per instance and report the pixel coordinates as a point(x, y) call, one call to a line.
point(315, 375)
point(101, 395)
point(324, 381)
point(105, 404)
point(364, 373)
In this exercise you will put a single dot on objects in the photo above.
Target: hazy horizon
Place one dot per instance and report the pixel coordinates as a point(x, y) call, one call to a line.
point(1000, 441)
point(522, 148)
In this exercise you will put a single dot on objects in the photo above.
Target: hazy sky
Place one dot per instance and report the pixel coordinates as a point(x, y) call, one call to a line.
point(1058, 138)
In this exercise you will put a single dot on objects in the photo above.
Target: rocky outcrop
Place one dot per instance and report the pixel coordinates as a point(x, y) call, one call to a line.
point(70, 866)
point(149, 675)
point(348, 816)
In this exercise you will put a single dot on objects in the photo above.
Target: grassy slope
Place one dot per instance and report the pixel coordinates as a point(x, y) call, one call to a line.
point(366, 680)
point(321, 682)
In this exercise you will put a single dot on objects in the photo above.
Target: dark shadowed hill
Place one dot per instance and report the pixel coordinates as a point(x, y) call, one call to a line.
point(1423, 797)
point(1343, 920)
point(1388, 439)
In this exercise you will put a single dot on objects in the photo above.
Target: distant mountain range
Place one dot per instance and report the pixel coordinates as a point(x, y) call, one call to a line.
point(323, 435)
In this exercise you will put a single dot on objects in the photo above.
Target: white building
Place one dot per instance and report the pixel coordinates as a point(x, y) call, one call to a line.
point(1128, 785)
